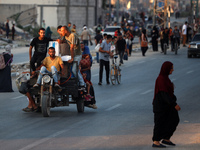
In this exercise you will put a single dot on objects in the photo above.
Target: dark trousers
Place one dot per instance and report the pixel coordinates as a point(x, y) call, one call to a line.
point(144, 49)
point(165, 124)
point(121, 56)
point(107, 68)
point(172, 43)
point(155, 45)
point(13, 36)
point(130, 49)
point(162, 44)
point(177, 39)
point(7, 33)
point(85, 42)
point(37, 58)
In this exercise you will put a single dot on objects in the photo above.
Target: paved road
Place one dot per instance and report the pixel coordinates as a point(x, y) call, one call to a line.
point(124, 118)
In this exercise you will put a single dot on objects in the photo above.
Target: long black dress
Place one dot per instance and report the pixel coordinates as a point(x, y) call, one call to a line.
point(5, 76)
point(166, 117)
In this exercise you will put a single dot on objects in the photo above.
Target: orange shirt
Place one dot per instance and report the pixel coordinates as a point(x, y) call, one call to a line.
point(48, 63)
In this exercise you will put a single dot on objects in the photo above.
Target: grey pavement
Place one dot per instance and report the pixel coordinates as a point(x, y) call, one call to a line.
point(124, 118)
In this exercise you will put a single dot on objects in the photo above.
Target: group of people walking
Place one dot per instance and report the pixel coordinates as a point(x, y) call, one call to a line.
point(172, 35)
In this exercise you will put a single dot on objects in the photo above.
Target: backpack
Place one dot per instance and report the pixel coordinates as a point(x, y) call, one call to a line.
point(2, 62)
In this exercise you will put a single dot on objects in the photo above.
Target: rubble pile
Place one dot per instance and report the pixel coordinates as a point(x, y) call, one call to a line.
point(19, 68)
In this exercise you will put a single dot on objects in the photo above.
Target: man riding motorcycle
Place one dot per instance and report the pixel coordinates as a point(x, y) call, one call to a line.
point(51, 65)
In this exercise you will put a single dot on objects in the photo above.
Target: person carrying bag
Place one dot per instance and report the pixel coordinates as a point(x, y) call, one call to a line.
point(144, 42)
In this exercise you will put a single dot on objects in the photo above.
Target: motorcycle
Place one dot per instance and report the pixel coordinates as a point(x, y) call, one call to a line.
point(48, 96)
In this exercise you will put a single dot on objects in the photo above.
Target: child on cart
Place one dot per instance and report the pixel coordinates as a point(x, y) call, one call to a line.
point(88, 97)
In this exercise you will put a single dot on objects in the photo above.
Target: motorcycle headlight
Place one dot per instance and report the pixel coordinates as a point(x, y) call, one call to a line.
point(46, 79)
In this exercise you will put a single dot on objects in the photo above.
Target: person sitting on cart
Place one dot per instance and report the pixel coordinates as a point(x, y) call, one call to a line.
point(89, 98)
point(40, 44)
point(31, 104)
point(51, 65)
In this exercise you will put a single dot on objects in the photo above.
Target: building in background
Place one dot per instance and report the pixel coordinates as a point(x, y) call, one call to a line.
point(54, 12)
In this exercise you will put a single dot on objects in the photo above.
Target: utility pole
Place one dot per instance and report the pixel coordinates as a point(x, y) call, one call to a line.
point(154, 12)
point(165, 14)
point(169, 11)
point(194, 4)
point(117, 11)
point(96, 9)
point(87, 23)
point(67, 12)
point(109, 11)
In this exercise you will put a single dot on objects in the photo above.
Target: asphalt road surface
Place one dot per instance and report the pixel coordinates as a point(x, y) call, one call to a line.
point(124, 118)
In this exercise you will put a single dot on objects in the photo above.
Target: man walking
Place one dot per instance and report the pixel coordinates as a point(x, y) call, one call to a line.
point(176, 33)
point(7, 28)
point(13, 31)
point(184, 33)
point(84, 36)
point(98, 37)
point(104, 59)
point(69, 26)
point(121, 46)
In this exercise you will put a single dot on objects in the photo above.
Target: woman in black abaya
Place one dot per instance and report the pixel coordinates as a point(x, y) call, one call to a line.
point(5, 74)
point(165, 108)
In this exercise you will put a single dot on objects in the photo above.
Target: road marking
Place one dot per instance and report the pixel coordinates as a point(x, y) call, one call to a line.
point(140, 62)
point(113, 107)
point(148, 91)
point(190, 71)
point(38, 142)
point(95, 75)
point(17, 97)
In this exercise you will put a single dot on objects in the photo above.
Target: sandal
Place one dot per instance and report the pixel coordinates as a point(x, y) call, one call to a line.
point(36, 109)
point(27, 109)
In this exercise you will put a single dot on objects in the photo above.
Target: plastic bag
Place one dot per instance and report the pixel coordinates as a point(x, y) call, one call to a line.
point(97, 47)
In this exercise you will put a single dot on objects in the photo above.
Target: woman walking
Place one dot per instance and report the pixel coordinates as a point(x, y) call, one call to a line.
point(5, 74)
point(155, 36)
point(144, 42)
point(165, 108)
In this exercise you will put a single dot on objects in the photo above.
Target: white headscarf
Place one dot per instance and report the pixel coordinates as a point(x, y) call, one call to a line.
point(8, 49)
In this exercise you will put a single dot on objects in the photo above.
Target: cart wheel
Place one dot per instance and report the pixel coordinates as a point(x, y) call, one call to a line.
point(80, 105)
point(45, 105)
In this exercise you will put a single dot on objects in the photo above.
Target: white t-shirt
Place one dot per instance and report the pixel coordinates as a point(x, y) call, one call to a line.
point(185, 31)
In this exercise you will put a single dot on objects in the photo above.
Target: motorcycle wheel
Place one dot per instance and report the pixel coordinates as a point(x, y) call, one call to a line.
point(45, 105)
point(80, 105)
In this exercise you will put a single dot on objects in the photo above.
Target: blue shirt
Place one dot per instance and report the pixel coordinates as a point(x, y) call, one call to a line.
point(87, 51)
point(106, 47)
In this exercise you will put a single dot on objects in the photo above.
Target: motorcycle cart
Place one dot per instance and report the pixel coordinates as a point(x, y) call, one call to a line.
point(47, 96)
